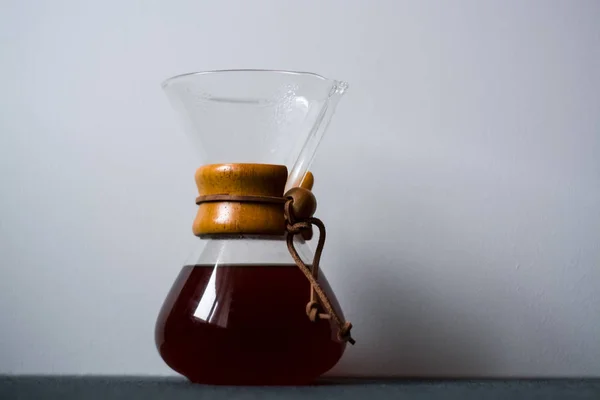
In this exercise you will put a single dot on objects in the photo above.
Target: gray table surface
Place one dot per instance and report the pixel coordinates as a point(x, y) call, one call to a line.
point(96, 387)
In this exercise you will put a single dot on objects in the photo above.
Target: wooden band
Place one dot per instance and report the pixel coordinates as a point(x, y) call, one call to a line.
point(239, 199)
point(246, 199)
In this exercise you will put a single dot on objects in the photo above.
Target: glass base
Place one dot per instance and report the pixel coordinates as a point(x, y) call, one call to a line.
point(245, 325)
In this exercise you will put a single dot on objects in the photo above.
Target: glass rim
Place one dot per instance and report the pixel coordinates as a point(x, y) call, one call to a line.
point(172, 79)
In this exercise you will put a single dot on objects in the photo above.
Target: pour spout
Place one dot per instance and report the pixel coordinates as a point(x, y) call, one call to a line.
point(313, 140)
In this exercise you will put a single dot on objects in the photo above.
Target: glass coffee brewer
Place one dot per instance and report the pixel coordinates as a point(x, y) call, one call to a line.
point(252, 307)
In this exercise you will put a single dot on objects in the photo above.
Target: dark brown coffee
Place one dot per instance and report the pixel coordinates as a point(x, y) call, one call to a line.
point(245, 325)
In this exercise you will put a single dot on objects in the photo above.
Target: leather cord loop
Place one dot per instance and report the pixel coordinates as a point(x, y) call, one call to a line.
point(312, 308)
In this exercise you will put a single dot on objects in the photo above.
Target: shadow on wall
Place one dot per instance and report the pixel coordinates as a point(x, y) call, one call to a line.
point(461, 269)
point(405, 329)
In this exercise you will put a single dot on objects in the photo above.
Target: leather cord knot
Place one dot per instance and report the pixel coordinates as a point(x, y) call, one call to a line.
point(344, 333)
point(298, 227)
point(313, 310)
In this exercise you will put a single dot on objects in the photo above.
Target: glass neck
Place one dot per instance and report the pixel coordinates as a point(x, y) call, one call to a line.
point(248, 250)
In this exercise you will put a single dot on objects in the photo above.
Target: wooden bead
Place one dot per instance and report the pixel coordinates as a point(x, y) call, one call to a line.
point(305, 202)
point(308, 181)
point(307, 234)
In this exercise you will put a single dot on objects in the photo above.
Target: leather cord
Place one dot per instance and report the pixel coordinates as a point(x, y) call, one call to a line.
point(312, 308)
point(238, 198)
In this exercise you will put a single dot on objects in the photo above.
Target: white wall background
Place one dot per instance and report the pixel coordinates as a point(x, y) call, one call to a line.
point(466, 151)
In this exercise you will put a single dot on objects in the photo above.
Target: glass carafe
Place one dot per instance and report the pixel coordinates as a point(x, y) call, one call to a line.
point(240, 310)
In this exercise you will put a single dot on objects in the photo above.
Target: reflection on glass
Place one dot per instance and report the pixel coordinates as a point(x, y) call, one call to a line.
point(208, 301)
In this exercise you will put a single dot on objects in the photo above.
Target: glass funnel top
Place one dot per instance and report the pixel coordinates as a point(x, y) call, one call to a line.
point(255, 116)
